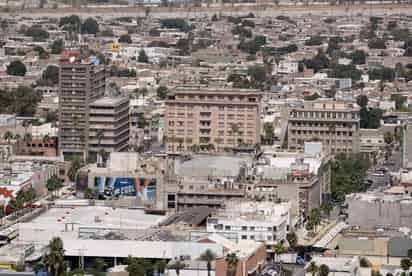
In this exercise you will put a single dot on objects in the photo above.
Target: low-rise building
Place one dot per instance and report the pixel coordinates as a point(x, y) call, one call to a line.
point(266, 221)
point(339, 266)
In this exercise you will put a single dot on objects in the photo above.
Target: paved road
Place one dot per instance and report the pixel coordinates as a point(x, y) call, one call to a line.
point(267, 10)
point(380, 182)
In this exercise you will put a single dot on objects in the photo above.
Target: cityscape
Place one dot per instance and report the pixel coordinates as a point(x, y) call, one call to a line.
point(205, 138)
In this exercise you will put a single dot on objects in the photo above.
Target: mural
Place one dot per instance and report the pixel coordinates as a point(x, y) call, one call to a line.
point(143, 188)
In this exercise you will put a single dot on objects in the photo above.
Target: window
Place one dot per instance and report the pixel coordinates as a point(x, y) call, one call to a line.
point(252, 237)
point(244, 228)
point(244, 237)
point(227, 227)
point(252, 228)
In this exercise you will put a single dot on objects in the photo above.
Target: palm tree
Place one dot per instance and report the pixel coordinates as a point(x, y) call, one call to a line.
point(54, 260)
point(53, 183)
point(231, 260)
point(177, 266)
point(160, 267)
point(46, 138)
point(312, 268)
point(26, 125)
point(235, 130)
point(74, 168)
point(27, 138)
point(208, 256)
point(99, 136)
point(323, 270)
point(8, 136)
point(143, 92)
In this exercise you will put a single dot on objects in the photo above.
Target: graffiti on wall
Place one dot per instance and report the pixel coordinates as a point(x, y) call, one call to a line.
point(143, 188)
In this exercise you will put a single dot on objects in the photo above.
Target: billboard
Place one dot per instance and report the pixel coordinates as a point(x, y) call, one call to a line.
point(143, 188)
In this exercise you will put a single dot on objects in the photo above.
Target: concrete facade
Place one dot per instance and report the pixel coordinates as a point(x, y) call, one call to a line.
point(81, 82)
point(205, 119)
point(335, 124)
point(111, 116)
point(379, 210)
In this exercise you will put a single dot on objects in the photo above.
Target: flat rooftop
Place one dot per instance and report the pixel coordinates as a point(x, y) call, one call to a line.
point(109, 101)
point(98, 216)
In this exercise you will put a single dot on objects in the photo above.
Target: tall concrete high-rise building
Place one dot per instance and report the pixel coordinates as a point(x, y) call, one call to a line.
point(334, 123)
point(109, 125)
point(82, 81)
point(212, 119)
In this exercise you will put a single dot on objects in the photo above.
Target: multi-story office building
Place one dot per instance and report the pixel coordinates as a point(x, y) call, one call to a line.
point(335, 124)
point(81, 83)
point(264, 221)
point(108, 125)
point(205, 119)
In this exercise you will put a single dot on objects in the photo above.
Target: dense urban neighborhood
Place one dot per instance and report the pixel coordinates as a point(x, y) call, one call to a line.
point(204, 138)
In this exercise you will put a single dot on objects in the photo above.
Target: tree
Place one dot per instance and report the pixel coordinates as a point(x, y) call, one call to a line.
point(347, 175)
point(399, 100)
point(41, 52)
point(29, 195)
point(358, 57)
point(74, 168)
point(314, 218)
point(52, 184)
point(388, 138)
point(292, 239)
point(208, 256)
point(16, 68)
point(51, 75)
point(54, 259)
point(318, 62)
point(125, 38)
point(314, 41)
point(231, 260)
point(323, 270)
point(410, 253)
point(177, 266)
point(143, 58)
point(362, 100)
point(269, 131)
point(57, 47)
point(377, 43)
point(406, 264)
point(326, 207)
point(312, 268)
point(99, 137)
point(135, 267)
point(312, 97)
point(160, 267)
point(37, 33)
point(346, 71)
point(90, 26)
point(162, 92)
point(8, 135)
point(278, 249)
point(257, 75)
point(383, 74)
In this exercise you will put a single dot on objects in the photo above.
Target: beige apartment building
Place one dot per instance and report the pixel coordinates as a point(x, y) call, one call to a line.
point(209, 119)
point(109, 125)
point(334, 123)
